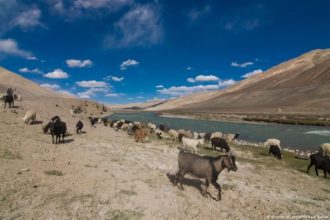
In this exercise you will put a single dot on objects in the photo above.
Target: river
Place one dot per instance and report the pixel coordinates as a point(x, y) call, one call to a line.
point(292, 136)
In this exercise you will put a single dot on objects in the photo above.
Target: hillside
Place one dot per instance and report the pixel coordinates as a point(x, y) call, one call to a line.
point(24, 86)
point(300, 85)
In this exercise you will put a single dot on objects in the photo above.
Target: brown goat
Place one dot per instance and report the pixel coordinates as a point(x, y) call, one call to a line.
point(207, 168)
point(140, 134)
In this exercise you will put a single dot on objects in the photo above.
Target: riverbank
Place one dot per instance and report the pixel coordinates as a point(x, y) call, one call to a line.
point(291, 119)
point(104, 174)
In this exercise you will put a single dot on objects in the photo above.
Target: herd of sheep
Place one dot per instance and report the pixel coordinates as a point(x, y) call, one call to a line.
point(207, 168)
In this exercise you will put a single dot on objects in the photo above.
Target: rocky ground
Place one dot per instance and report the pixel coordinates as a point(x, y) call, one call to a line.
point(103, 174)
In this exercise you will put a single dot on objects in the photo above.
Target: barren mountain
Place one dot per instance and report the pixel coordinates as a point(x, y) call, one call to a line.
point(298, 85)
point(24, 86)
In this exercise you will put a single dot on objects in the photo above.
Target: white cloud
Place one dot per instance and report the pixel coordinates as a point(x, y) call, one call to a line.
point(92, 84)
point(65, 92)
point(10, 47)
point(159, 86)
point(17, 14)
point(127, 63)
point(27, 70)
point(140, 97)
point(242, 65)
point(28, 19)
point(57, 89)
point(57, 74)
point(140, 26)
point(253, 73)
point(94, 4)
point(117, 79)
point(226, 83)
point(75, 9)
point(195, 14)
point(189, 68)
point(78, 63)
point(114, 94)
point(203, 78)
point(185, 90)
point(32, 58)
point(50, 86)
point(91, 92)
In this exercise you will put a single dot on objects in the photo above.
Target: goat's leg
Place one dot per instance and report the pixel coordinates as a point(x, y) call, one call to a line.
point(180, 176)
point(52, 138)
point(218, 187)
point(310, 165)
point(316, 171)
point(325, 173)
point(206, 187)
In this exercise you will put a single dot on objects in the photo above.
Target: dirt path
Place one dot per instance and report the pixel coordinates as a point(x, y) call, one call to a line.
point(104, 174)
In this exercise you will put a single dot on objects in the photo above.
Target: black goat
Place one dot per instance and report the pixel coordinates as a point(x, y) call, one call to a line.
point(207, 168)
point(58, 128)
point(276, 151)
point(10, 100)
point(93, 121)
point(79, 127)
point(220, 142)
point(162, 127)
point(320, 162)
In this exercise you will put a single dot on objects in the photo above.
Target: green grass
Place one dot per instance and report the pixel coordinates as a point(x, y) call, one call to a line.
point(7, 154)
point(53, 173)
point(123, 215)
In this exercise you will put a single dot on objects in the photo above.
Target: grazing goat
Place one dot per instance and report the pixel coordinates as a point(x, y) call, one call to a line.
point(192, 143)
point(272, 141)
point(152, 127)
point(47, 126)
point(216, 134)
point(58, 128)
point(325, 149)
point(320, 162)
point(79, 127)
point(219, 142)
point(230, 138)
point(186, 133)
point(93, 121)
point(207, 168)
point(30, 116)
point(173, 134)
point(140, 134)
point(276, 151)
point(10, 100)
point(207, 136)
point(162, 127)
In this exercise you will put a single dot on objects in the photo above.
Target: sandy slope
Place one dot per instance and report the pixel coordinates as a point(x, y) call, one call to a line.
point(107, 175)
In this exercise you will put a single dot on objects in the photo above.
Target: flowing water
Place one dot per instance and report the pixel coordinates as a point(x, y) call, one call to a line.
point(293, 136)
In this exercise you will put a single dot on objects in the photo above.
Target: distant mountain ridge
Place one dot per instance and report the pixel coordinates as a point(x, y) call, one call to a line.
point(300, 85)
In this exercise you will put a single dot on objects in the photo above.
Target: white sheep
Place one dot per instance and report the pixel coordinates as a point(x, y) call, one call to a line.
point(272, 141)
point(30, 116)
point(192, 143)
point(230, 138)
point(216, 134)
point(186, 133)
point(324, 149)
point(173, 134)
point(195, 135)
point(151, 126)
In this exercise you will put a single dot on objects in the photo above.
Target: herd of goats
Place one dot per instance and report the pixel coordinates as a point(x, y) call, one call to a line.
point(204, 167)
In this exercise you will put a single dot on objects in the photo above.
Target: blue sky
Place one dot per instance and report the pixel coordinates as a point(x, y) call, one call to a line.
point(120, 51)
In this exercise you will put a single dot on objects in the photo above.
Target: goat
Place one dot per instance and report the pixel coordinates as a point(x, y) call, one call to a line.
point(320, 162)
point(219, 142)
point(79, 127)
point(207, 168)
